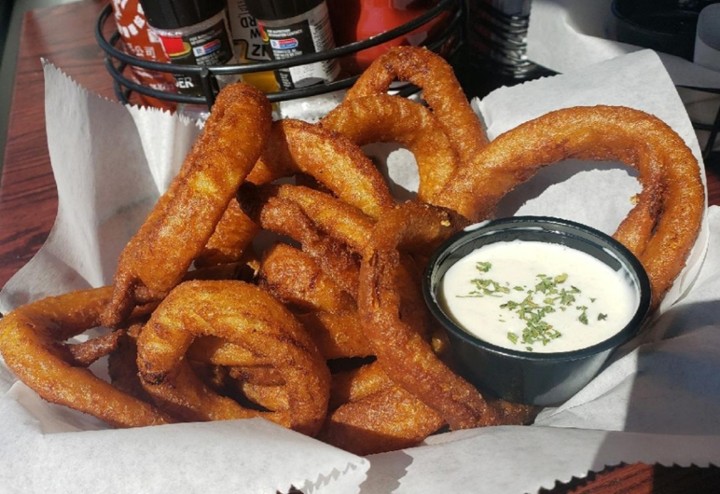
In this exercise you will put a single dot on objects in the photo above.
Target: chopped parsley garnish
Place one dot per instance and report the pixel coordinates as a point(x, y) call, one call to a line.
point(549, 294)
point(483, 267)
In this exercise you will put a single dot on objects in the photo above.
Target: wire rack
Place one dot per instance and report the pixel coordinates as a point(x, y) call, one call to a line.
point(117, 61)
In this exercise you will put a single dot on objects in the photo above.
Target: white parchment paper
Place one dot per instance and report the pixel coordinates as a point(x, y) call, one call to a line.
point(658, 403)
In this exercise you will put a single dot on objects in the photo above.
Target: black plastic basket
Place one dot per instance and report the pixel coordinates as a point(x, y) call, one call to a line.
point(117, 61)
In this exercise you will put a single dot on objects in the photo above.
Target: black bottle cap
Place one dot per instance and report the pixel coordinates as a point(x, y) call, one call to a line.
point(173, 14)
point(275, 10)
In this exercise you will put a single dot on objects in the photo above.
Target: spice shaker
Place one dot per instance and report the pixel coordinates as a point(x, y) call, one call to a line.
point(293, 28)
point(192, 32)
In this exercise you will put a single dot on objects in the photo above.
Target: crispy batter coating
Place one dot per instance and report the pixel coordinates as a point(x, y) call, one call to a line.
point(245, 315)
point(159, 254)
point(371, 414)
point(663, 225)
point(332, 159)
point(85, 353)
point(29, 343)
point(385, 118)
point(214, 350)
point(338, 335)
point(406, 357)
point(335, 258)
point(440, 89)
point(293, 277)
point(384, 421)
point(331, 215)
point(230, 240)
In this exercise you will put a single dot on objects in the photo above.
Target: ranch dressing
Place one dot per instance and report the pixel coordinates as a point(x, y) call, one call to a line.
point(537, 296)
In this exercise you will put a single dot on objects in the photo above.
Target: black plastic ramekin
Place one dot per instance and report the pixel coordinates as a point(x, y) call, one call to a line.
point(522, 376)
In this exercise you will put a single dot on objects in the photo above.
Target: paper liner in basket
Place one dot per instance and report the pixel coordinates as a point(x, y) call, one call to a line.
point(110, 165)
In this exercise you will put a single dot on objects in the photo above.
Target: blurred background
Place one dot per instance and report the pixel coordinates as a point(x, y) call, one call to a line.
point(11, 15)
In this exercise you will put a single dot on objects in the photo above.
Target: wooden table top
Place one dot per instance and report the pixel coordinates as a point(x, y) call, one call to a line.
point(28, 197)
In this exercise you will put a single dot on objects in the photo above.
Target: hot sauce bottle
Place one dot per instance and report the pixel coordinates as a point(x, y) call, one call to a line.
point(192, 32)
point(358, 20)
point(140, 42)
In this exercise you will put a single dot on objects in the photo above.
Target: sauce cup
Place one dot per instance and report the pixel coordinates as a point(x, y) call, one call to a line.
point(516, 371)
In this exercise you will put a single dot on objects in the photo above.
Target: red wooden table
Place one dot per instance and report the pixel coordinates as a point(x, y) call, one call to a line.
point(28, 198)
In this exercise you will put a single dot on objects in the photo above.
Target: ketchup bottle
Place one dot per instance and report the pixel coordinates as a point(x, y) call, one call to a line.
point(357, 20)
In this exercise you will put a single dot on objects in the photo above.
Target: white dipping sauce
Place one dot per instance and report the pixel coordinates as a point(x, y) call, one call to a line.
point(537, 296)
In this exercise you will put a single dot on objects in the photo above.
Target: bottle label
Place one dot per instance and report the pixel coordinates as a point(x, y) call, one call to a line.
point(140, 41)
point(249, 44)
point(207, 47)
point(309, 35)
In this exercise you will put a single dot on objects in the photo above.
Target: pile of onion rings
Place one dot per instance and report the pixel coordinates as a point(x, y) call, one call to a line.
point(279, 278)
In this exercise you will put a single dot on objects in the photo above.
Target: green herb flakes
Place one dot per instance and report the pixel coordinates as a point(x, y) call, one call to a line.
point(549, 294)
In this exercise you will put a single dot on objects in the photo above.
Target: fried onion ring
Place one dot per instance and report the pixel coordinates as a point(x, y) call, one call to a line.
point(331, 215)
point(387, 420)
point(406, 356)
point(661, 229)
point(230, 239)
point(440, 89)
point(85, 353)
point(334, 258)
point(385, 118)
point(332, 159)
point(29, 343)
point(245, 315)
point(159, 254)
point(293, 277)
point(332, 321)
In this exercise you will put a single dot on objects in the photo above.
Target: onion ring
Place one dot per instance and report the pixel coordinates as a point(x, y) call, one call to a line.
point(371, 414)
point(159, 254)
point(387, 420)
point(85, 353)
point(332, 159)
point(440, 89)
point(338, 335)
point(661, 229)
point(333, 257)
point(331, 215)
point(29, 338)
point(405, 356)
point(293, 277)
point(230, 239)
point(385, 118)
point(260, 323)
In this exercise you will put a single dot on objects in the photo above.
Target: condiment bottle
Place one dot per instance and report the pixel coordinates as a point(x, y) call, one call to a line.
point(192, 32)
point(358, 20)
point(497, 31)
point(249, 45)
point(139, 41)
point(294, 28)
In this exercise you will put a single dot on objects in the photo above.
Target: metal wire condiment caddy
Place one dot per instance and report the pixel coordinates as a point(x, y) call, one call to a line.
point(117, 61)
